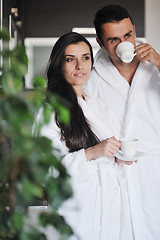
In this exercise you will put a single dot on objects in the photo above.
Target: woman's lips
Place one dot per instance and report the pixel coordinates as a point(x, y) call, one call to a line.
point(79, 74)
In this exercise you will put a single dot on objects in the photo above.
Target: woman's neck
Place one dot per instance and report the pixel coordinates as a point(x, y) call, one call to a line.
point(79, 91)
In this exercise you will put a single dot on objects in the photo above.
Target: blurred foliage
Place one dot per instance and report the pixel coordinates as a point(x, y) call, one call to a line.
point(25, 159)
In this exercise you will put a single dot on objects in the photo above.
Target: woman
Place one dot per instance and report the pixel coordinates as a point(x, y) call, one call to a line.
point(95, 208)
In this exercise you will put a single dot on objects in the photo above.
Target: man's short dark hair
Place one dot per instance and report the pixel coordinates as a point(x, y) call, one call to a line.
point(108, 14)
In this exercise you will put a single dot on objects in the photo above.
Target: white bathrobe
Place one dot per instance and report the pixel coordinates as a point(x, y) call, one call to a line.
point(134, 111)
point(99, 208)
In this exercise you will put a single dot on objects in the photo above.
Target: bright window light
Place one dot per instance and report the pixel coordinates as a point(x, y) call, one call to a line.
point(84, 30)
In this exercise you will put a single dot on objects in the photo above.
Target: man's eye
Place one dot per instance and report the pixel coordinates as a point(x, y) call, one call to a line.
point(86, 58)
point(113, 40)
point(128, 35)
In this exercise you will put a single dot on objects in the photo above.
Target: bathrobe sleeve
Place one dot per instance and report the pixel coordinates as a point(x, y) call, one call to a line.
point(75, 163)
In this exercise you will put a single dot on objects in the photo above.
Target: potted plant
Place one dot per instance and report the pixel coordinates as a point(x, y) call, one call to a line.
point(24, 158)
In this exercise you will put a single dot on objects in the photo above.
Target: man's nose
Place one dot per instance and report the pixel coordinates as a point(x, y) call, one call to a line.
point(120, 40)
point(123, 40)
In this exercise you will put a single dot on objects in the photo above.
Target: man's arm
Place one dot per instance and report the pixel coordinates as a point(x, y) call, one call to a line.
point(147, 53)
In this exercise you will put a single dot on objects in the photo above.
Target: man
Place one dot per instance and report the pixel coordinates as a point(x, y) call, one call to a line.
point(131, 95)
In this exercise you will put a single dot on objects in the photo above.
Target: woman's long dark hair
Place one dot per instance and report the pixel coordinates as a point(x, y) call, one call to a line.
point(78, 134)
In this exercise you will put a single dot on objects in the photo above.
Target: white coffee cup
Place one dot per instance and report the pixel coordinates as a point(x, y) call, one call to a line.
point(125, 50)
point(129, 146)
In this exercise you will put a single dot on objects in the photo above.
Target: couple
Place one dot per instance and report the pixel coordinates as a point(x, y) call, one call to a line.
point(111, 200)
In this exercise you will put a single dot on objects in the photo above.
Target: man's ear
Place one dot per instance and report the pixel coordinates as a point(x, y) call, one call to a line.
point(100, 43)
point(134, 28)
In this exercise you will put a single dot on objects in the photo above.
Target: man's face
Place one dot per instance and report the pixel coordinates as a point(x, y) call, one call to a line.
point(115, 33)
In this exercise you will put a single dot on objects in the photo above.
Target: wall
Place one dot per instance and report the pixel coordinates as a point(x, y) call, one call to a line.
point(152, 21)
point(51, 18)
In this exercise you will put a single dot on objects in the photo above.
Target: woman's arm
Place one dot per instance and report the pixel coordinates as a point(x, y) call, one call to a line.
point(106, 148)
point(73, 161)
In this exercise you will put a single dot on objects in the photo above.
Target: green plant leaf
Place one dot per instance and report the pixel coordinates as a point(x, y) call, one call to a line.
point(11, 85)
point(31, 167)
point(4, 35)
point(18, 220)
point(52, 218)
point(28, 190)
point(64, 115)
point(39, 82)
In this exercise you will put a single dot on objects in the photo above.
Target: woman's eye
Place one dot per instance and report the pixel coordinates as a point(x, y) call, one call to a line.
point(69, 59)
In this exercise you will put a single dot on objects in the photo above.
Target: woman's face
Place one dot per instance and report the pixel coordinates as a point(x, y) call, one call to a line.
point(78, 64)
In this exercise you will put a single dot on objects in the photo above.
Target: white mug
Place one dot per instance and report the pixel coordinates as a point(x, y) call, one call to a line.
point(129, 146)
point(125, 50)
